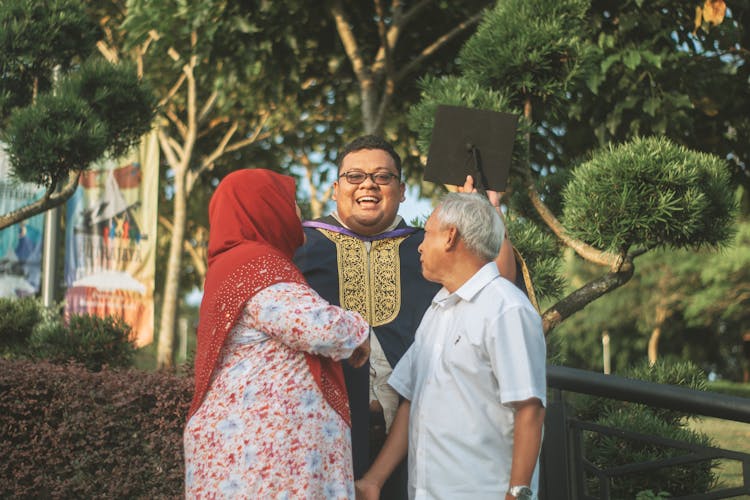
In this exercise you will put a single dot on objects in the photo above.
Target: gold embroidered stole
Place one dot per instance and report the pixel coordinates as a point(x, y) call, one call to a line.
point(369, 283)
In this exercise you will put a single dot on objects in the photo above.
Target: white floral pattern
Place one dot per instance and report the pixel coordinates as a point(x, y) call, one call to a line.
point(264, 429)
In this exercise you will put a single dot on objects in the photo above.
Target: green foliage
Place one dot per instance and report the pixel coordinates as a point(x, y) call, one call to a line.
point(118, 98)
point(17, 320)
point(650, 193)
point(36, 36)
point(51, 136)
point(607, 451)
point(652, 72)
point(61, 108)
point(681, 373)
point(650, 495)
point(541, 253)
point(721, 294)
point(613, 451)
point(740, 389)
point(90, 340)
point(99, 109)
point(581, 344)
point(242, 49)
point(703, 304)
point(528, 48)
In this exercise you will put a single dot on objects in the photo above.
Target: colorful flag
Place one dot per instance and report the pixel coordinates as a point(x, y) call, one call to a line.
point(110, 240)
point(21, 243)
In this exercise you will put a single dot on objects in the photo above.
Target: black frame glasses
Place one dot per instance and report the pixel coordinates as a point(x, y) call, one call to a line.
point(379, 178)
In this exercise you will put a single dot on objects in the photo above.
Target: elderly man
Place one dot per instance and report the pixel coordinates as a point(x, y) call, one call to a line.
point(364, 257)
point(473, 382)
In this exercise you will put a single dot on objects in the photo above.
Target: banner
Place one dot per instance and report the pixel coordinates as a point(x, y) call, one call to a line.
point(110, 240)
point(20, 244)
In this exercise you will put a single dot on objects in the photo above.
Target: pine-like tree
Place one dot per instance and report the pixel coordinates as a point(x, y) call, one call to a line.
point(625, 199)
point(61, 106)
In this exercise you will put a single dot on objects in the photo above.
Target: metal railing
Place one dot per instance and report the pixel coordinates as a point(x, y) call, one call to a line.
point(566, 471)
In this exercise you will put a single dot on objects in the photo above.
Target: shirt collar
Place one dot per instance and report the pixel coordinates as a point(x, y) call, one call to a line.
point(468, 290)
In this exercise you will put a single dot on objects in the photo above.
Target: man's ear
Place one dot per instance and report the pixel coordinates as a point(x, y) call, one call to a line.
point(335, 190)
point(452, 239)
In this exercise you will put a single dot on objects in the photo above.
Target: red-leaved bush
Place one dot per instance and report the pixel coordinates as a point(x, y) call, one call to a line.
point(66, 432)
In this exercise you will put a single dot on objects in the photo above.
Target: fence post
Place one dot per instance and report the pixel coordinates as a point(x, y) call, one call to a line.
point(554, 461)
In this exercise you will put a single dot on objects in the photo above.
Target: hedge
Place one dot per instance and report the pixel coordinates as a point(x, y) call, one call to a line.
point(66, 432)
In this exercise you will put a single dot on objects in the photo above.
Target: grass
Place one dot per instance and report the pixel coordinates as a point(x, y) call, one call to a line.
point(145, 357)
point(728, 435)
point(730, 388)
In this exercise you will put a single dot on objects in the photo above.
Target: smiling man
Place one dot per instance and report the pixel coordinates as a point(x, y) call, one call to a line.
point(364, 257)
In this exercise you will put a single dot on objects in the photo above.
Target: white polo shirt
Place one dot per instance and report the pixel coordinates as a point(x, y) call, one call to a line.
point(475, 351)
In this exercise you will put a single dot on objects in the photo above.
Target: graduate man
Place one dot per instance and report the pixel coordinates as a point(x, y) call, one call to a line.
point(364, 257)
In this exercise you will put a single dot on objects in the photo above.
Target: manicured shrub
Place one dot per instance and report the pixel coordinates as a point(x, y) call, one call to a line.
point(607, 451)
point(67, 432)
point(86, 339)
point(17, 320)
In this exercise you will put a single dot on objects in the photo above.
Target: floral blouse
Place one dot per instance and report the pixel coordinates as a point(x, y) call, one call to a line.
point(264, 429)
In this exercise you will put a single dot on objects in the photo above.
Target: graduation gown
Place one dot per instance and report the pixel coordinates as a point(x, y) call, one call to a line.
point(385, 286)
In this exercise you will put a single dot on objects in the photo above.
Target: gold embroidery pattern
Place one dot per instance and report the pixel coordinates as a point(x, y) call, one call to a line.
point(375, 293)
point(385, 279)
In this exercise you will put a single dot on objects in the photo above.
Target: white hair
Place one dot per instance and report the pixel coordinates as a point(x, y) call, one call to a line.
point(476, 220)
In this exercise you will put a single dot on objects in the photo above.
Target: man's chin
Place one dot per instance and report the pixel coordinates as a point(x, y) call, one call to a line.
point(369, 227)
point(427, 276)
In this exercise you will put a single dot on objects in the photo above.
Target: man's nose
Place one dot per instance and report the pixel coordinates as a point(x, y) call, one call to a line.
point(368, 181)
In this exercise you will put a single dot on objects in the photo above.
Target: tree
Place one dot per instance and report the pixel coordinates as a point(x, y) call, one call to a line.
point(643, 317)
point(281, 80)
point(62, 108)
point(361, 78)
point(672, 68)
point(624, 199)
point(386, 44)
point(681, 304)
point(217, 69)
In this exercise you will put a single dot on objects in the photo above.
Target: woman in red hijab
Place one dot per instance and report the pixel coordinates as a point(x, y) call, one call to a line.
point(270, 415)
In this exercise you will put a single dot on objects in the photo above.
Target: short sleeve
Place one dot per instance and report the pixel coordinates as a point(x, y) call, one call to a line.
point(517, 351)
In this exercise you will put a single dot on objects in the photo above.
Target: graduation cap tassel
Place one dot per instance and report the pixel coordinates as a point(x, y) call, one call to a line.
point(481, 179)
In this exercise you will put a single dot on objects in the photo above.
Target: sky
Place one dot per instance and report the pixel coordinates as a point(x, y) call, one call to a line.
point(414, 206)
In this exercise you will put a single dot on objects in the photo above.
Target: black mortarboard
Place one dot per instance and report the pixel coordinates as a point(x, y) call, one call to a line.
point(474, 142)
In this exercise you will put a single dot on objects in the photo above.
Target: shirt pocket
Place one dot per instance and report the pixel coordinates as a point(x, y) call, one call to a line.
point(462, 351)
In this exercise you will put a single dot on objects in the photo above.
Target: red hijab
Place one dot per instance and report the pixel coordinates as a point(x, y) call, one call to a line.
point(254, 233)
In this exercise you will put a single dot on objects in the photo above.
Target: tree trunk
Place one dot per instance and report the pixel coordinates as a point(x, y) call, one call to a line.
point(591, 291)
point(51, 199)
point(170, 299)
point(653, 346)
point(370, 104)
point(653, 341)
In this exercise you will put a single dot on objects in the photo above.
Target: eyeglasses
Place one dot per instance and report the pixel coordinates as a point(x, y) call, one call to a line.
point(381, 178)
